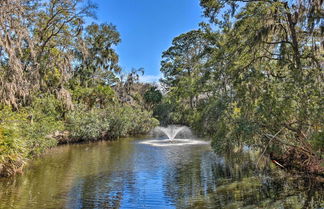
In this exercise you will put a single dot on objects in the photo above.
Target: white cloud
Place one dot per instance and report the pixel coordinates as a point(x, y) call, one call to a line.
point(150, 78)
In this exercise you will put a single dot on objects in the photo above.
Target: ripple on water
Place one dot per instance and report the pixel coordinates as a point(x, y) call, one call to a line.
point(152, 173)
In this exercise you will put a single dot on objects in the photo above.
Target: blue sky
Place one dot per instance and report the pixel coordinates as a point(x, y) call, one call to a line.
point(147, 28)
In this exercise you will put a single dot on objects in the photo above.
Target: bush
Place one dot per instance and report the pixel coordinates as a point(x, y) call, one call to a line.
point(109, 123)
point(12, 151)
point(26, 133)
point(29, 132)
point(140, 122)
point(100, 95)
point(42, 119)
point(86, 124)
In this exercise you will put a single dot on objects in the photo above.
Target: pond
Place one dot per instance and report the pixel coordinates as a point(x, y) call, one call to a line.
point(130, 174)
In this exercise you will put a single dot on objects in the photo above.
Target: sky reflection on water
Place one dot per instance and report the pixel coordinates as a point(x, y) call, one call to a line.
point(129, 174)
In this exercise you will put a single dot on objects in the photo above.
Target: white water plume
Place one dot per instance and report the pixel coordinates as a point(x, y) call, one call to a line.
point(173, 131)
point(172, 135)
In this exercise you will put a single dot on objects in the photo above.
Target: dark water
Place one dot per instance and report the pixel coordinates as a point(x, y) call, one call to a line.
point(127, 174)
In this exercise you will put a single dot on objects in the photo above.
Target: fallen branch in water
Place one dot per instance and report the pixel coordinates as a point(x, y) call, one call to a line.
point(297, 159)
point(288, 144)
point(273, 137)
point(277, 163)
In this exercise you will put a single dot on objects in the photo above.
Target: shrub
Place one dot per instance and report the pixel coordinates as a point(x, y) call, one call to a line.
point(86, 124)
point(26, 133)
point(109, 123)
point(12, 151)
point(42, 119)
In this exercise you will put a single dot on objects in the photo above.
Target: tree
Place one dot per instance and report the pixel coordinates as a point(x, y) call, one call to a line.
point(258, 74)
point(152, 97)
point(37, 41)
point(128, 85)
point(98, 61)
point(271, 54)
point(16, 80)
point(59, 80)
point(182, 66)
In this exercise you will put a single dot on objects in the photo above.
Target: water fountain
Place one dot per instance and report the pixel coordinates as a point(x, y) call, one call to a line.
point(172, 135)
point(172, 131)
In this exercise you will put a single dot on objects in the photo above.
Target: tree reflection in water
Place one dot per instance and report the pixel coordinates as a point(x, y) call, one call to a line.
point(128, 174)
point(232, 181)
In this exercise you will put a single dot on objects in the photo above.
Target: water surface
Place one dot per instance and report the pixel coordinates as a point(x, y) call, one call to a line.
point(130, 174)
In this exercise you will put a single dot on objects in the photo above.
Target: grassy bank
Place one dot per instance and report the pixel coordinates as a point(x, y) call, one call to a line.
point(29, 131)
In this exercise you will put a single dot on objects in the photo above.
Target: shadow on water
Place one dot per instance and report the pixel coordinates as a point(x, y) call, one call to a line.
point(130, 174)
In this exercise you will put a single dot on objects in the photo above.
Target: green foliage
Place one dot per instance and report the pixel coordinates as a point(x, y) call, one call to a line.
point(30, 131)
point(26, 133)
point(183, 68)
point(11, 147)
point(12, 151)
point(46, 105)
point(256, 76)
point(140, 122)
point(87, 125)
point(101, 95)
point(98, 61)
point(163, 112)
point(317, 141)
point(42, 121)
point(152, 97)
point(109, 123)
point(50, 61)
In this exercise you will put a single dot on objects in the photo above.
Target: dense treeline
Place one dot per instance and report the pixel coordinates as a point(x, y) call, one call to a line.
point(60, 81)
point(252, 75)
